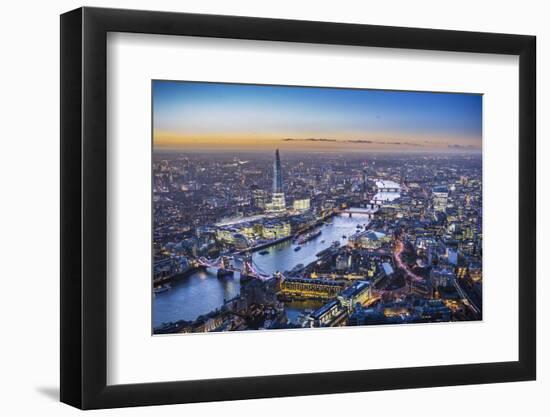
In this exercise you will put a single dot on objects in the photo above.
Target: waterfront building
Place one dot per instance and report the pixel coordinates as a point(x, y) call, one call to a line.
point(240, 241)
point(276, 229)
point(165, 268)
point(225, 235)
point(368, 239)
point(311, 288)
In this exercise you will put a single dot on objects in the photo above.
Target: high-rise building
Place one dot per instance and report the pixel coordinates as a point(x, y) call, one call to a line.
point(277, 174)
point(278, 202)
point(440, 196)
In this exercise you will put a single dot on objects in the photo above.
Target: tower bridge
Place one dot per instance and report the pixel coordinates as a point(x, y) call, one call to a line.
point(248, 269)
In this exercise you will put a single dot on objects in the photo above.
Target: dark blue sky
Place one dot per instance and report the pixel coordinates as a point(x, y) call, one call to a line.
point(241, 113)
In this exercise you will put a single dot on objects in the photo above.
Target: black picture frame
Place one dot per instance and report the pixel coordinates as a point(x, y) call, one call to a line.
point(84, 207)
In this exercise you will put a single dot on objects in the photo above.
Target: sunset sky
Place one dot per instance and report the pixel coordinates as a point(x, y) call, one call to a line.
point(207, 116)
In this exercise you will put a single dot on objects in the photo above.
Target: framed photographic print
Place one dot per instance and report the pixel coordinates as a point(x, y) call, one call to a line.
point(258, 207)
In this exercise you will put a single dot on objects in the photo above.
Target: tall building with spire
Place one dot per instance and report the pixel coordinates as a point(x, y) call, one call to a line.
point(277, 174)
point(278, 202)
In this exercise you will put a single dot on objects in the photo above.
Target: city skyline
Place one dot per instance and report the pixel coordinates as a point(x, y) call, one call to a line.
point(212, 116)
point(314, 228)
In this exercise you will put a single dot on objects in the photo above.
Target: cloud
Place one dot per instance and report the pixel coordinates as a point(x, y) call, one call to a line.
point(354, 141)
point(308, 140)
point(457, 146)
point(402, 143)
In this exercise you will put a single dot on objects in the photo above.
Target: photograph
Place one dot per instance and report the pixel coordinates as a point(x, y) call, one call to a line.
point(298, 207)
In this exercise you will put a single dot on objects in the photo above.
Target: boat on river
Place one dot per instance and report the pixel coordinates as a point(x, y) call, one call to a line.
point(308, 236)
point(162, 288)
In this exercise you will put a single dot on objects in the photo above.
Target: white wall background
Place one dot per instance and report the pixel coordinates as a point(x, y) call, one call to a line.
point(29, 212)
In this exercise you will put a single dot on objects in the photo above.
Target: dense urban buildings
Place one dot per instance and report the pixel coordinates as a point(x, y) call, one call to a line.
point(294, 236)
point(403, 246)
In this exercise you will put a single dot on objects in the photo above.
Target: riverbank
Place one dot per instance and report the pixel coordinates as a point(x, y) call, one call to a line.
point(188, 272)
point(274, 242)
point(202, 292)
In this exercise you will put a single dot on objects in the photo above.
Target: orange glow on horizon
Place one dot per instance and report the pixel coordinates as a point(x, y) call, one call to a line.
point(349, 141)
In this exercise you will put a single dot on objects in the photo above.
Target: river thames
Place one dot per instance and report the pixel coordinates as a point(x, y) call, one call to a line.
point(203, 292)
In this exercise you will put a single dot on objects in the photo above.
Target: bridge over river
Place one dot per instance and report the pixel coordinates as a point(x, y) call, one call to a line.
point(203, 292)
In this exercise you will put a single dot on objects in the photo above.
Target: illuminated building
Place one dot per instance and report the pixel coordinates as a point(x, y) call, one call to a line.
point(440, 197)
point(225, 235)
point(329, 314)
point(277, 174)
point(228, 234)
point(461, 272)
point(474, 270)
point(240, 241)
point(278, 202)
point(426, 243)
point(259, 197)
point(358, 292)
point(309, 288)
point(301, 205)
point(276, 229)
point(368, 239)
point(396, 311)
point(167, 267)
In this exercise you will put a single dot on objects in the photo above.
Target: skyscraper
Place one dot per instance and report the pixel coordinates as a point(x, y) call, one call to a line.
point(277, 174)
point(278, 202)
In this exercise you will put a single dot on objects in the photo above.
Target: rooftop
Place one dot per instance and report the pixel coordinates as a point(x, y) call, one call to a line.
point(356, 288)
point(324, 309)
point(440, 189)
